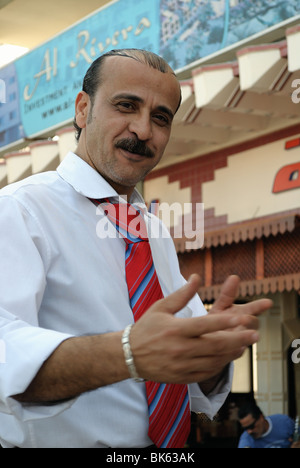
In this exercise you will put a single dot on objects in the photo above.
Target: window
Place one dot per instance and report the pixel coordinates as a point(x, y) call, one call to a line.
point(12, 115)
point(12, 97)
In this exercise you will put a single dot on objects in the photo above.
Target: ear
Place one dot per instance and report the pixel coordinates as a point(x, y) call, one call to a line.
point(82, 106)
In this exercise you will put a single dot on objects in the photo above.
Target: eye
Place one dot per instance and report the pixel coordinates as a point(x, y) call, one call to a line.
point(162, 120)
point(125, 106)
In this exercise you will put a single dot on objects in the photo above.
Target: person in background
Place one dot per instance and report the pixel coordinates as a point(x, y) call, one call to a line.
point(275, 431)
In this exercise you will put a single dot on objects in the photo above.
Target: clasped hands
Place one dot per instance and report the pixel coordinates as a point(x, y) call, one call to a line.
point(186, 350)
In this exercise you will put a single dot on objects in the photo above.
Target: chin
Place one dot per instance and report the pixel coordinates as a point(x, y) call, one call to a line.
point(128, 180)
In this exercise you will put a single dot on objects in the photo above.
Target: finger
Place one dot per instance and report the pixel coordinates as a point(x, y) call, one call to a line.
point(196, 370)
point(204, 367)
point(256, 307)
point(180, 298)
point(247, 321)
point(228, 293)
point(198, 326)
point(225, 343)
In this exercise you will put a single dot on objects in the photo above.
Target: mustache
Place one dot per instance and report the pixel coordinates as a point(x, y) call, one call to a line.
point(135, 146)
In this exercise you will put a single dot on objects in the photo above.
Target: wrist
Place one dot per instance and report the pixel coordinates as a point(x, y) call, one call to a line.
point(207, 386)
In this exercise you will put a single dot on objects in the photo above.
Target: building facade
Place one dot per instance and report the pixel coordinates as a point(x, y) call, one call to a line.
point(243, 120)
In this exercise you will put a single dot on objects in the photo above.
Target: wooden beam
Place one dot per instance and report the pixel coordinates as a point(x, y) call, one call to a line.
point(208, 268)
point(260, 259)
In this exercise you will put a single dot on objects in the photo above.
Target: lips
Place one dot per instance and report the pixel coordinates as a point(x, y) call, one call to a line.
point(135, 147)
point(132, 156)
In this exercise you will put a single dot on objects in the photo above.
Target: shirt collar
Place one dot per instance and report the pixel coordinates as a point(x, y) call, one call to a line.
point(88, 182)
point(270, 428)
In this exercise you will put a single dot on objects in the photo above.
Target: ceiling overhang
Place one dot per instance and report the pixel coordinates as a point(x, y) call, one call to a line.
point(229, 103)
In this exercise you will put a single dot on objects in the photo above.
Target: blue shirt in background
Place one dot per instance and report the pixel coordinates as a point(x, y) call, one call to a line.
point(281, 428)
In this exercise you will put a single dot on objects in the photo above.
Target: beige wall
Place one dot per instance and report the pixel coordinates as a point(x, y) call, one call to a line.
point(39, 156)
point(243, 189)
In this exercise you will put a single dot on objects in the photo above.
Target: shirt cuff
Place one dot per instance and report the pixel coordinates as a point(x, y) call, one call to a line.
point(211, 403)
point(22, 364)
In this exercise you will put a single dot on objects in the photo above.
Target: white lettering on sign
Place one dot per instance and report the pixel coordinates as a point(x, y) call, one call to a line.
point(89, 48)
point(48, 68)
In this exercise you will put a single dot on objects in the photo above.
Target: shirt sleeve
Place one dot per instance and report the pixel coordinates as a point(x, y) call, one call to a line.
point(211, 403)
point(24, 255)
point(245, 441)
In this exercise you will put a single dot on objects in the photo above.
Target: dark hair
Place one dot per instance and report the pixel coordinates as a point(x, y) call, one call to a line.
point(93, 77)
point(249, 408)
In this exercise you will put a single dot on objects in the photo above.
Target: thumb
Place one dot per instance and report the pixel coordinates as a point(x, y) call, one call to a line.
point(180, 298)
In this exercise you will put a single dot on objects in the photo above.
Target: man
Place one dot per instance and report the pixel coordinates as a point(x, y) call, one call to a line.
point(274, 431)
point(64, 293)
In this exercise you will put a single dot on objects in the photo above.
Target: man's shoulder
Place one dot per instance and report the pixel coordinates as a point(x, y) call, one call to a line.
point(280, 418)
point(32, 183)
point(34, 194)
point(282, 422)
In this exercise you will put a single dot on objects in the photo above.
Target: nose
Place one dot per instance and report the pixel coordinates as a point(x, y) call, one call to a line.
point(141, 127)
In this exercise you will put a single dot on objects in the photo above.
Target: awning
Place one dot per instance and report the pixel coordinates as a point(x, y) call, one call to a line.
point(256, 287)
point(269, 273)
point(242, 232)
point(229, 103)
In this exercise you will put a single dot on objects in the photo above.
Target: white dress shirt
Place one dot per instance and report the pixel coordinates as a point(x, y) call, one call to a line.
point(59, 279)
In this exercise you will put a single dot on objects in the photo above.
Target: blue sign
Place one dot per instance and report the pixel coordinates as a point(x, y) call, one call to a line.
point(11, 128)
point(191, 30)
point(51, 76)
point(42, 85)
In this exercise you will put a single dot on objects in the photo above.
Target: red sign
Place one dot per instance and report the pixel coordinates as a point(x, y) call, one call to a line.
point(287, 178)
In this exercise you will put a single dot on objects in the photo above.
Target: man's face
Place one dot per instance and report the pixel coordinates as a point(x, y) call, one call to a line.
point(255, 427)
point(128, 125)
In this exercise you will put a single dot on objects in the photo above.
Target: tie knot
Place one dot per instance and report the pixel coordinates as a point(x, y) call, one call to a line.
point(128, 220)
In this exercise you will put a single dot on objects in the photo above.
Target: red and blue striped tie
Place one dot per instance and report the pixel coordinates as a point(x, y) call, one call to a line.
point(169, 410)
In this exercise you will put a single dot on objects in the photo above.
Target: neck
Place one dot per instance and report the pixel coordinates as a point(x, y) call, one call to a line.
point(121, 190)
point(266, 426)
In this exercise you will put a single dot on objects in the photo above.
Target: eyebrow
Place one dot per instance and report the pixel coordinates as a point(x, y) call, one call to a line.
point(133, 97)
